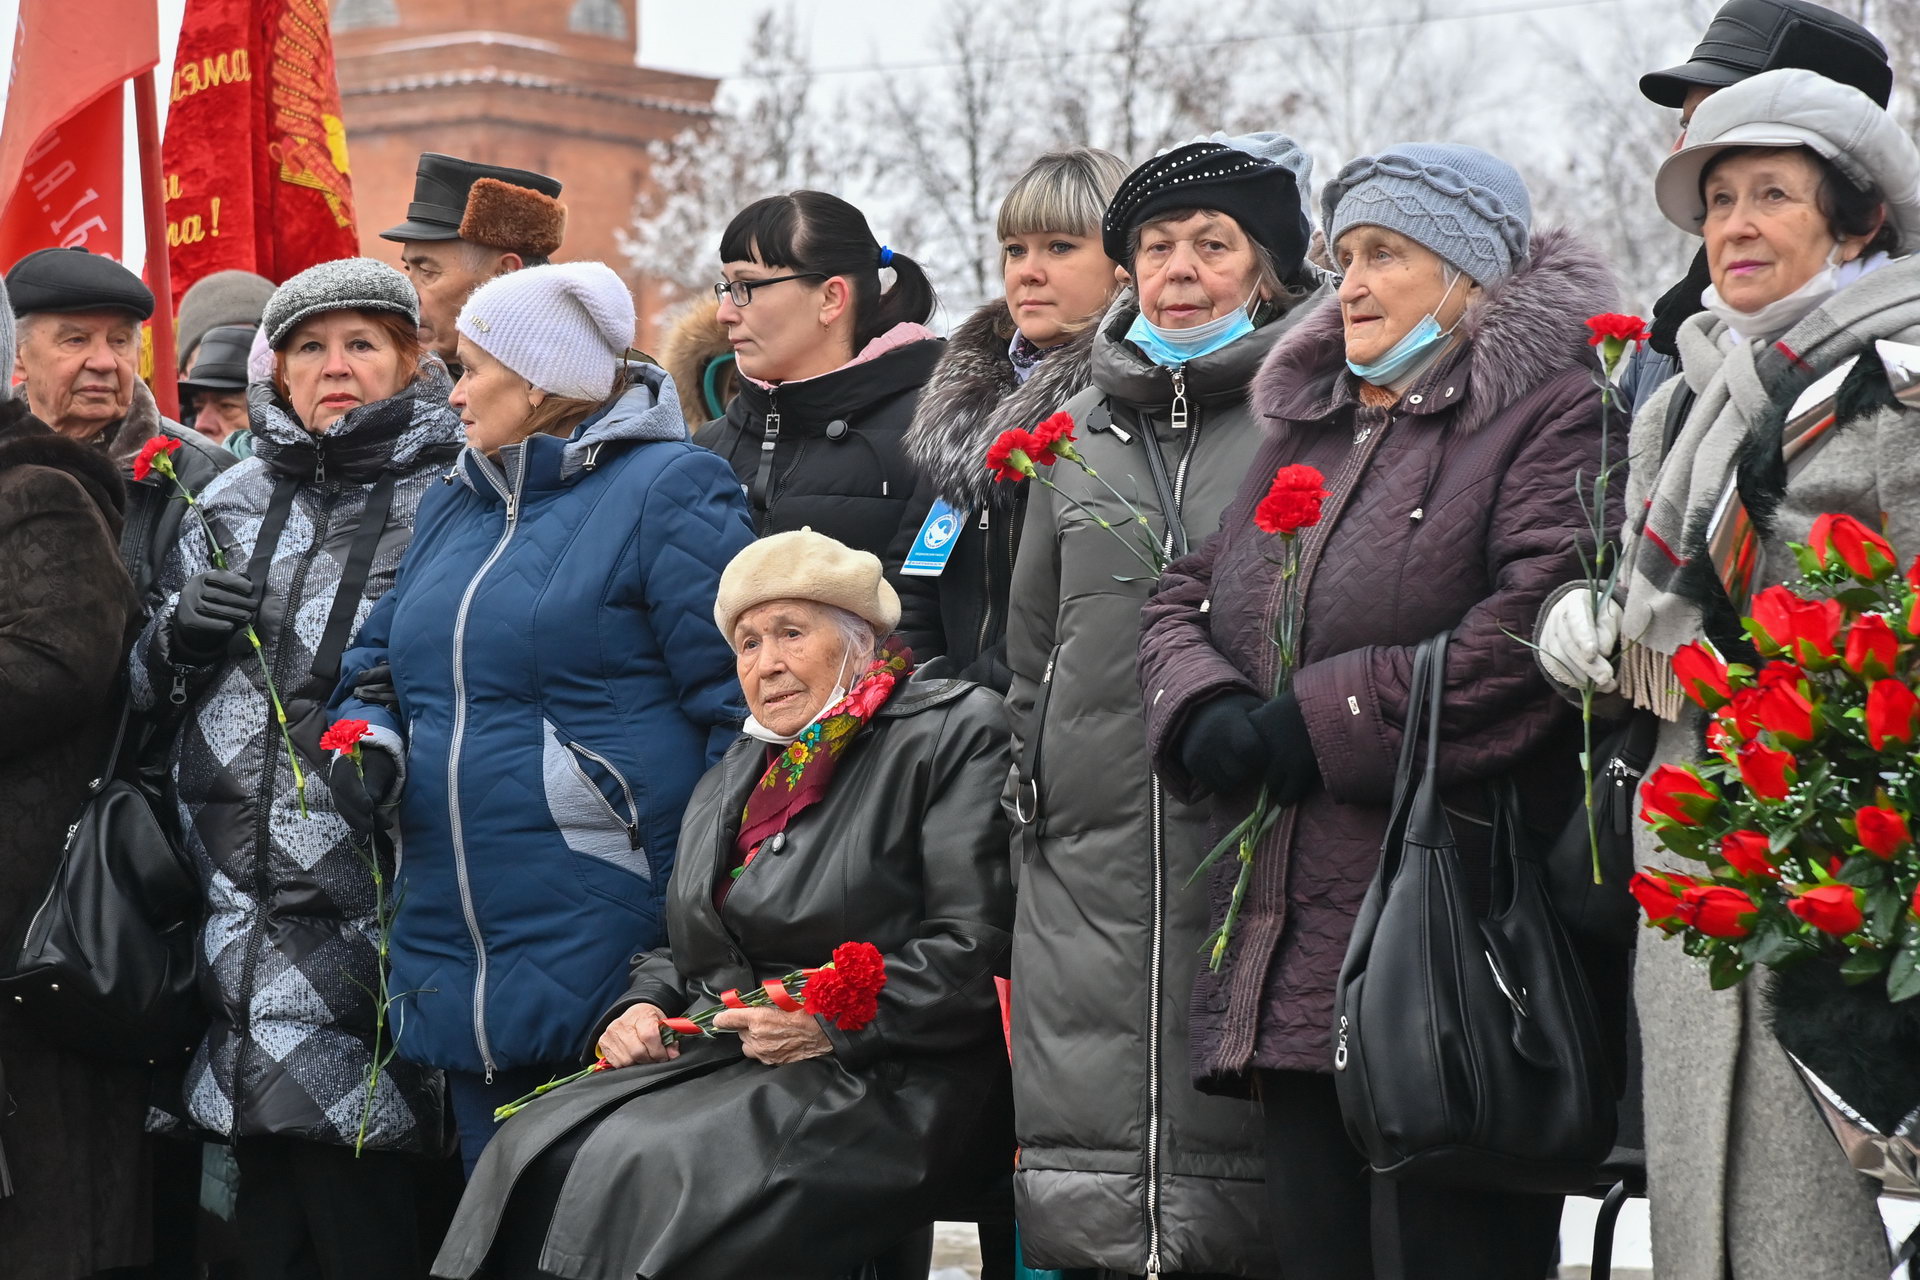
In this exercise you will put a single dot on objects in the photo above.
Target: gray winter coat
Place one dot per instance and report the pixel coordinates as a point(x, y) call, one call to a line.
point(1742, 1173)
point(289, 940)
point(1124, 1165)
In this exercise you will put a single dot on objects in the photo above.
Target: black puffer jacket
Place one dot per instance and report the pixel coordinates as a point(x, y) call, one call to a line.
point(290, 941)
point(961, 613)
point(836, 465)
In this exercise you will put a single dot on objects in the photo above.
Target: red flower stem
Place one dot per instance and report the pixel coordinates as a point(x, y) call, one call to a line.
point(1151, 566)
point(164, 466)
point(382, 1000)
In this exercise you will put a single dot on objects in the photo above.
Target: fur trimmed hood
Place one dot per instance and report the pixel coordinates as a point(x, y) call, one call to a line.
point(25, 441)
point(1521, 332)
point(972, 397)
point(695, 338)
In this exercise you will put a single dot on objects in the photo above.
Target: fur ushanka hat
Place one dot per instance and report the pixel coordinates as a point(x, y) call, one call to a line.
point(513, 219)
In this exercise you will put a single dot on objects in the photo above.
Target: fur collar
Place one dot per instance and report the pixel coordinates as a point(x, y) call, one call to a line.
point(695, 340)
point(1525, 330)
point(972, 397)
point(25, 441)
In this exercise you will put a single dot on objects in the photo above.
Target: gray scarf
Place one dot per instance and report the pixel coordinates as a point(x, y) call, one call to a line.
point(1751, 390)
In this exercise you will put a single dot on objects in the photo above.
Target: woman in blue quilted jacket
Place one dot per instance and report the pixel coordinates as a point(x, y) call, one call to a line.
point(544, 687)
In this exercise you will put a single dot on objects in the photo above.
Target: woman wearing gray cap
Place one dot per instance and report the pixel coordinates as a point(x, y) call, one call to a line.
point(1807, 195)
point(348, 433)
point(1448, 397)
point(1129, 1169)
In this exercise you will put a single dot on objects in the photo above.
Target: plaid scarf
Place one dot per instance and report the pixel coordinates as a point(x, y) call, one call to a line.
point(1688, 511)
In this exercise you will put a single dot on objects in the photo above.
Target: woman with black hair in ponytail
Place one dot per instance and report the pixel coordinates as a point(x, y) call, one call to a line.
point(831, 366)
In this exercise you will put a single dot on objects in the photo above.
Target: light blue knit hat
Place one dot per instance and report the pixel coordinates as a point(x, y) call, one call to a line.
point(1465, 204)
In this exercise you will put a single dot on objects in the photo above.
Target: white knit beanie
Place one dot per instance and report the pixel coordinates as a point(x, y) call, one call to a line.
point(563, 327)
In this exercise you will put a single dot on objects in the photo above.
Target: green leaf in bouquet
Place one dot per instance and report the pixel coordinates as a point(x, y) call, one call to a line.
point(1809, 563)
point(1776, 942)
point(1903, 975)
point(1884, 907)
point(1726, 968)
point(1860, 599)
point(1862, 965)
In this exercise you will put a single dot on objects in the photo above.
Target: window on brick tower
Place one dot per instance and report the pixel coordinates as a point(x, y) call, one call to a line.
point(598, 18)
point(348, 14)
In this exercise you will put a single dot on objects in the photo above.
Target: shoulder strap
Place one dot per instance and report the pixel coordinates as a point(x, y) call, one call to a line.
point(353, 580)
point(1677, 410)
point(272, 525)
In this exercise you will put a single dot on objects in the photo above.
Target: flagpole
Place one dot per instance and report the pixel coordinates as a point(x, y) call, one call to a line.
point(166, 361)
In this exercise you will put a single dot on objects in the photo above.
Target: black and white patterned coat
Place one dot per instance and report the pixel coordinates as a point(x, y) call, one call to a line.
point(291, 931)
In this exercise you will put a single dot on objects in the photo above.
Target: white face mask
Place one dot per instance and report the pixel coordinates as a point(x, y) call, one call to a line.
point(1780, 315)
point(754, 729)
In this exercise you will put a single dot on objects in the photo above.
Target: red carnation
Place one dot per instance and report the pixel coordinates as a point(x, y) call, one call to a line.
point(1882, 832)
point(1806, 631)
point(1866, 554)
point(1677, 793)
point(1053, 438)
point(1619, 328)
point(1832, 908)
point(1012, 456)
point(344, 735)
point(1891, 712)
point(1659, 894)
point(845, 993)
point(1768, 772)
point(1750, 853)
point(1702, 675)
point(1292, 502)
point(1720, 911)
point(1872, 647)
point(157, 451)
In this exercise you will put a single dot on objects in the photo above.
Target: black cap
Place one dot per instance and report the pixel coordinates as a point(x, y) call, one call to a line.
point(1750, 36)
point(440, 187)
point(75, 280)
point(1258, 194)
point(221, 362)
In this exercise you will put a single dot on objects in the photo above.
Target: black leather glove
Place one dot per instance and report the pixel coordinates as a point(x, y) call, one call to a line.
point(213, 606)
point(375, 686)
point(1219, 748)
point(364, 802)
point(1291, 768)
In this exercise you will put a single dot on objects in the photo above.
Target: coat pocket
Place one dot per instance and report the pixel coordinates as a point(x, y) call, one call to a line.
point(591, 803)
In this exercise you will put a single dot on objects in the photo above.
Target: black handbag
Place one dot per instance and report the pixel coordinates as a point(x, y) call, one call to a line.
point(1467, 1051)
point(1604, 916)
point(107, 963)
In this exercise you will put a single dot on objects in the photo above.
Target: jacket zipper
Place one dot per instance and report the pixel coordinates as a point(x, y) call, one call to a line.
point(509, 493)
point(986, 564)
point(262, 832)
point(1180, 421)
point(574, 751)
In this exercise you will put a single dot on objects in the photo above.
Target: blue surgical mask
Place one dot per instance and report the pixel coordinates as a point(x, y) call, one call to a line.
point(1171, 347)
point(1416, 347)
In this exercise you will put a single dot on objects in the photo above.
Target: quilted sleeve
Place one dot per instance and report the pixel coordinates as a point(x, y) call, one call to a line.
point(155, 673)
point(1498, 708)
point(693, 522)
point(64, 605)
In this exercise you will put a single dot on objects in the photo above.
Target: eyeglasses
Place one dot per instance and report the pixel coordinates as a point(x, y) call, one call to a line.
point(741, 291)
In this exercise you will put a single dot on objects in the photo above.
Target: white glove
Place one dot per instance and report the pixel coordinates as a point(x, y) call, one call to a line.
point(1574, 649)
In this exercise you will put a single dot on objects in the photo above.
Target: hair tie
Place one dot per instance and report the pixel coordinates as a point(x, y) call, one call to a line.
point(886, 256)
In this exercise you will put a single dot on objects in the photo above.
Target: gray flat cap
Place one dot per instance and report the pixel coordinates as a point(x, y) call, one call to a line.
point(1796, 108)
point(345, 284)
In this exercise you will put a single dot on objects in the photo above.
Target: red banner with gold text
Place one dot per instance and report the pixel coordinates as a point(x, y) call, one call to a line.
point(255, 153)
point(61, 147)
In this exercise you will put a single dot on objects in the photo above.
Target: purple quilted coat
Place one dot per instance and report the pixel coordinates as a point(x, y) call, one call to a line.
point(1453, 509)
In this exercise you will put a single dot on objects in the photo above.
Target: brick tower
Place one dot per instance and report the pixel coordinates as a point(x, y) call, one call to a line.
point(547, 85)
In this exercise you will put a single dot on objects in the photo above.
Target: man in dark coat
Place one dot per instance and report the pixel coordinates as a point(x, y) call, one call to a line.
point(79, 316)
point(71, 1134)
point(468, 223)
point(1745, 38)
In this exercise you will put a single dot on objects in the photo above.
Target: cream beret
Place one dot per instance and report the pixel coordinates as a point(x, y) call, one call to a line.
point(803, 565)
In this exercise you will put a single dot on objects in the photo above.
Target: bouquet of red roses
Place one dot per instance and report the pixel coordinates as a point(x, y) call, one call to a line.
point(845, 991)
point(1800, 818)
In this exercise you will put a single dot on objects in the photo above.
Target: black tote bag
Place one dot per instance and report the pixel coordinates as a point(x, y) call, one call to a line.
point(1467, 1051)
point(107, 962)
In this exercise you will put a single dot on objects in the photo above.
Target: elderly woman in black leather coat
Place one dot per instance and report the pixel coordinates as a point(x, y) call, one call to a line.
point(857, 806)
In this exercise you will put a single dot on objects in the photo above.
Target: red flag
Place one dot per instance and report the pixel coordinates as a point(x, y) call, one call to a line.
point(60, 149)
point(255, 152)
